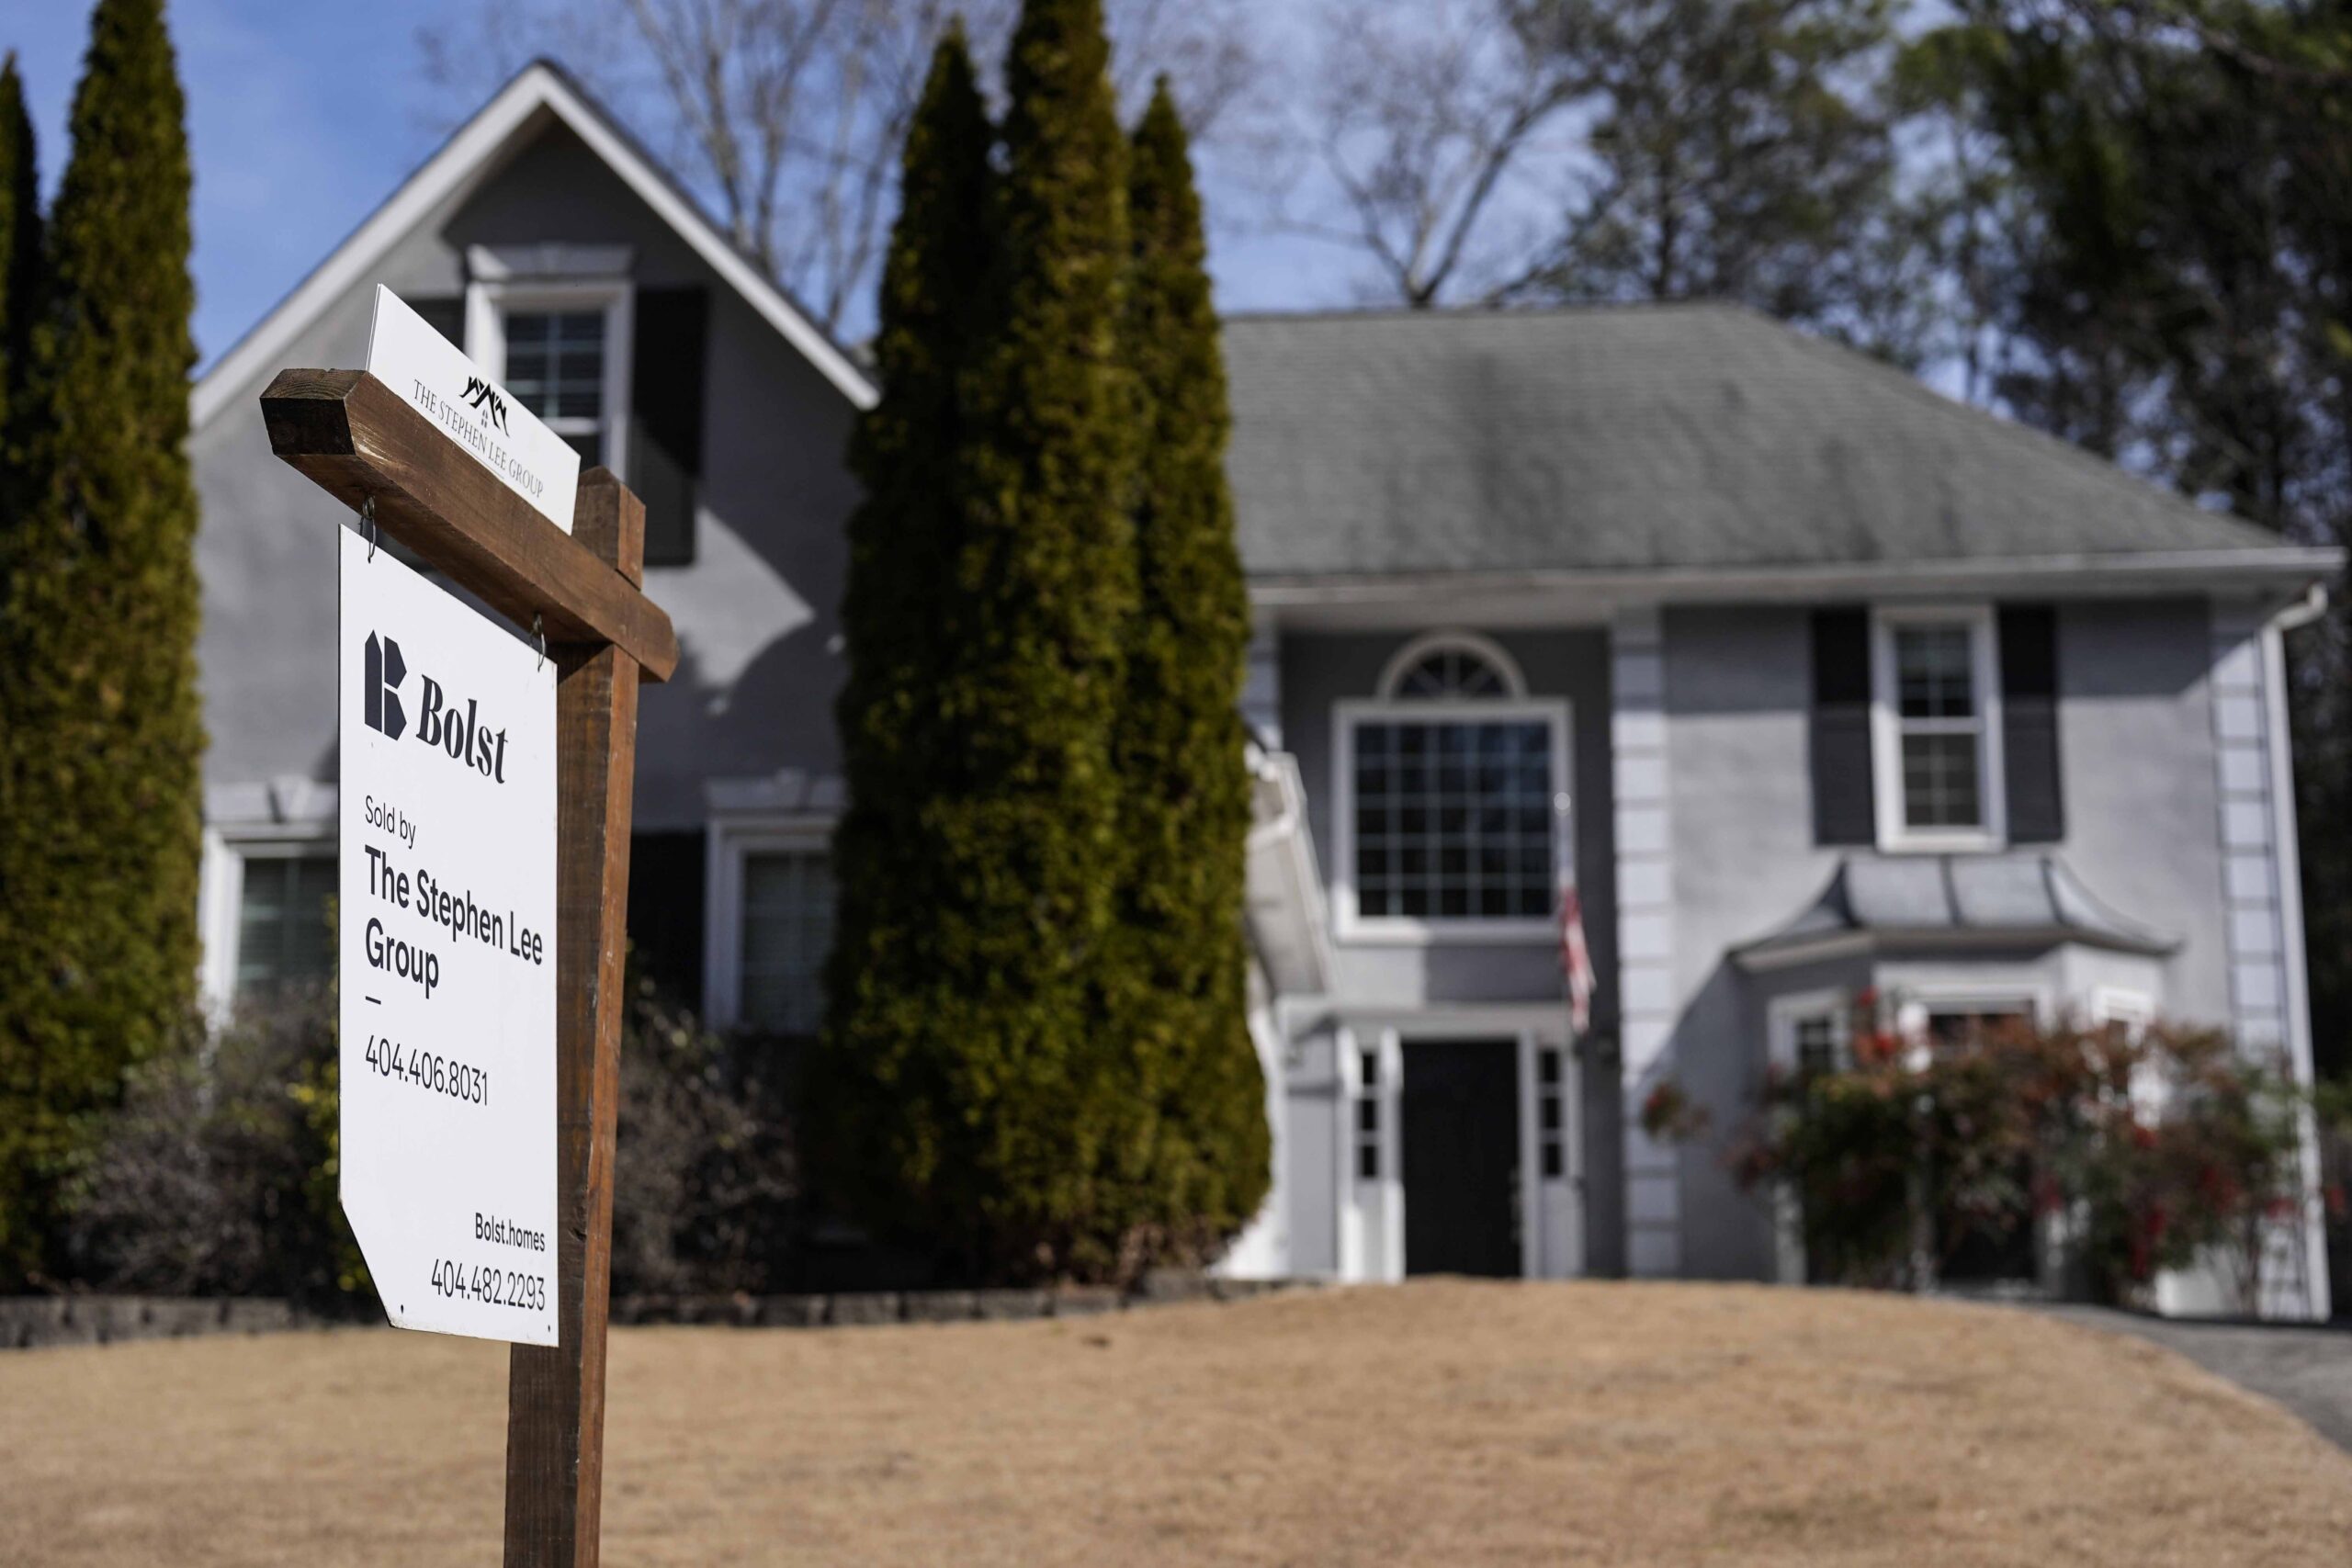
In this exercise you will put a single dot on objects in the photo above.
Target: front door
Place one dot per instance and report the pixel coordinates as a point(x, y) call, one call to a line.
point(1458, 1146)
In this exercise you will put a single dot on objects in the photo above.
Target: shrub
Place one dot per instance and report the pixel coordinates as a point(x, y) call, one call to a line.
point(705, 1177)
point(2152, 1151)
point(217, 1175)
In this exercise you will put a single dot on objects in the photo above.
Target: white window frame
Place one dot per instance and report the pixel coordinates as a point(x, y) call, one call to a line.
point(1371, 1213)
point(1348, 922)
point(1921, 1005)
point(2134, 1010)
point(1886, 730)
point(1785, 1015)
point(488, 301)
point(730, 844)
point(220, 916)
point(1483, 648)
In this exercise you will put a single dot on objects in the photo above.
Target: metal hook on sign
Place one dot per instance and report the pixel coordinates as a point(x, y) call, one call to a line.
point(540, 633)
point(367, 523)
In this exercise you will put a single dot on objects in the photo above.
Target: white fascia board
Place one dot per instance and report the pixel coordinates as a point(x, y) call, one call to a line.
point(2287, 570)
point(468, 156)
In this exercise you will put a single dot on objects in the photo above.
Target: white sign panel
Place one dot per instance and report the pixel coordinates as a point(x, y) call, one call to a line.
point(484, 419)
point(447, 956)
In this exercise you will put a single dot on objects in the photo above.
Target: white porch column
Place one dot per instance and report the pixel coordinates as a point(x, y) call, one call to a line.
point(2269, 1011)
point(1645, 933)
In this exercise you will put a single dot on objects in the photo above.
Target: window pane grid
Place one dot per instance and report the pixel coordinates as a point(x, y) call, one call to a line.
point(1453, 818)
point(1940, 726)
point(1452, 672)
point(555, 362)
point(1368, 1116)
point(1817, 1046)
point(788, 929)
point(282, 933)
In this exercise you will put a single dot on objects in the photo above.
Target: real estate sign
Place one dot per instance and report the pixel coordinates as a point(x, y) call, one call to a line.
point(488, 423)
point(446, 956)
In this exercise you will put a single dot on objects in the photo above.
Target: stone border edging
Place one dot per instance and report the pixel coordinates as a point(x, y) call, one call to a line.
point(30, 1322)
point(847, 1309)
point(34, 1321)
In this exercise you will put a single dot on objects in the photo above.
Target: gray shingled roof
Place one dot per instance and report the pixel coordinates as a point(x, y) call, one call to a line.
point(1643, 439)
point(1931, 899)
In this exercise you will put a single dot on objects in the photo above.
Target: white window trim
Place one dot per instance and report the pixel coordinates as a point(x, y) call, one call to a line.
point(221, 900)
point(1886, 749)
point(728, 844)
point(2134, 1010)
point(487, 300)
point(1408, 931)
point(2028, 999)
point(1482, 647)
point(1784, 1014)
point(1371, 1213)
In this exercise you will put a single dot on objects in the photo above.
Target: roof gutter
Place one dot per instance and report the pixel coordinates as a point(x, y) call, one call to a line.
point(2303, 612)
point(2300, 566)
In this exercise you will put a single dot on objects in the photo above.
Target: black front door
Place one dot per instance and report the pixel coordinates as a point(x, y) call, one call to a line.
point(1458, 1139)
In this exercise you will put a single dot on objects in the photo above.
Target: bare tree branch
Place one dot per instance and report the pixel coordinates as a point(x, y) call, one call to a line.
point(787, 116)
point(1419, 117)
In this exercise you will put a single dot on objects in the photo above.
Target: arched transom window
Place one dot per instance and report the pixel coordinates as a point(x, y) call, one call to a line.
point(1451, 778)
point(1452, 665)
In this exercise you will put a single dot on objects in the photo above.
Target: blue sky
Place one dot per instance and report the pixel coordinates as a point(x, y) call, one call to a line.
point(303, 116)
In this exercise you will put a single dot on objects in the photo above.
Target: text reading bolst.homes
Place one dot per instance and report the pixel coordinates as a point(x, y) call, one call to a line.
point(464, 736)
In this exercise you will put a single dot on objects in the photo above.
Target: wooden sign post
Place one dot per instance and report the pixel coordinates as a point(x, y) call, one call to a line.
point(362, 444)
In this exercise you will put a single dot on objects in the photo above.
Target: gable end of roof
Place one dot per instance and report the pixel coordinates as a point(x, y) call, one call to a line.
point(472, 150)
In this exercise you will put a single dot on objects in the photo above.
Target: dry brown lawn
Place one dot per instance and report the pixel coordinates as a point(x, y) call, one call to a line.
point(1443, 1423)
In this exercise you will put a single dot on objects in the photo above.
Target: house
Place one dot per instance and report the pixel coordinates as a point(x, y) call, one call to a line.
point(1816, 679)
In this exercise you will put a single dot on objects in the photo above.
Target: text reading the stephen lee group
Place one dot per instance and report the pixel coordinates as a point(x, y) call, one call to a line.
point(455, 912)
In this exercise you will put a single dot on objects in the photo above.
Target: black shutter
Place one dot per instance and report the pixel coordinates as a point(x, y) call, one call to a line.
point(446, 316)
point(2029, 723)
point(665, 418)
point(1845, 806)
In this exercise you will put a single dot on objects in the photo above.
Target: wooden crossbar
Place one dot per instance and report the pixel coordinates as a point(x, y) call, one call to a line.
point(356, 438)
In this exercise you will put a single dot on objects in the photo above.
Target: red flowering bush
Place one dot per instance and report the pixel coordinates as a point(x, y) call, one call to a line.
point(2148, 1152)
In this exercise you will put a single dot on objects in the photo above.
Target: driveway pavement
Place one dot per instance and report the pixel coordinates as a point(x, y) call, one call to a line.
point(2308, 1370)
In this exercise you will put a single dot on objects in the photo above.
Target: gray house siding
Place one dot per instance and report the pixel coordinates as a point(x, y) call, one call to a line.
point(755, 611)
point(2142, 830)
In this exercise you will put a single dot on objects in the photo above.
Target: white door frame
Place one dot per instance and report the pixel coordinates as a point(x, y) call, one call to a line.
point(1372, 1213)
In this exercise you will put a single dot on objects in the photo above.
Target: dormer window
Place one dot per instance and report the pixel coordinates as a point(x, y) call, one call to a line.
point(1450, 812)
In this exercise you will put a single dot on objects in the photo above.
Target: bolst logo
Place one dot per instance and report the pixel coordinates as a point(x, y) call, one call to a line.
point(439, 725)
point(385, 671)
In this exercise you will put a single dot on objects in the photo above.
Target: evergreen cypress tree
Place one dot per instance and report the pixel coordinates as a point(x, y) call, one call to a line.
point(19, 245)
point(1179, 940)
point(875, 1089)
point(988, 1076)
point(99, 806)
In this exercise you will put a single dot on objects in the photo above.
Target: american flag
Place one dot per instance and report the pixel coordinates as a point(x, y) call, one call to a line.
point(1575, 958)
